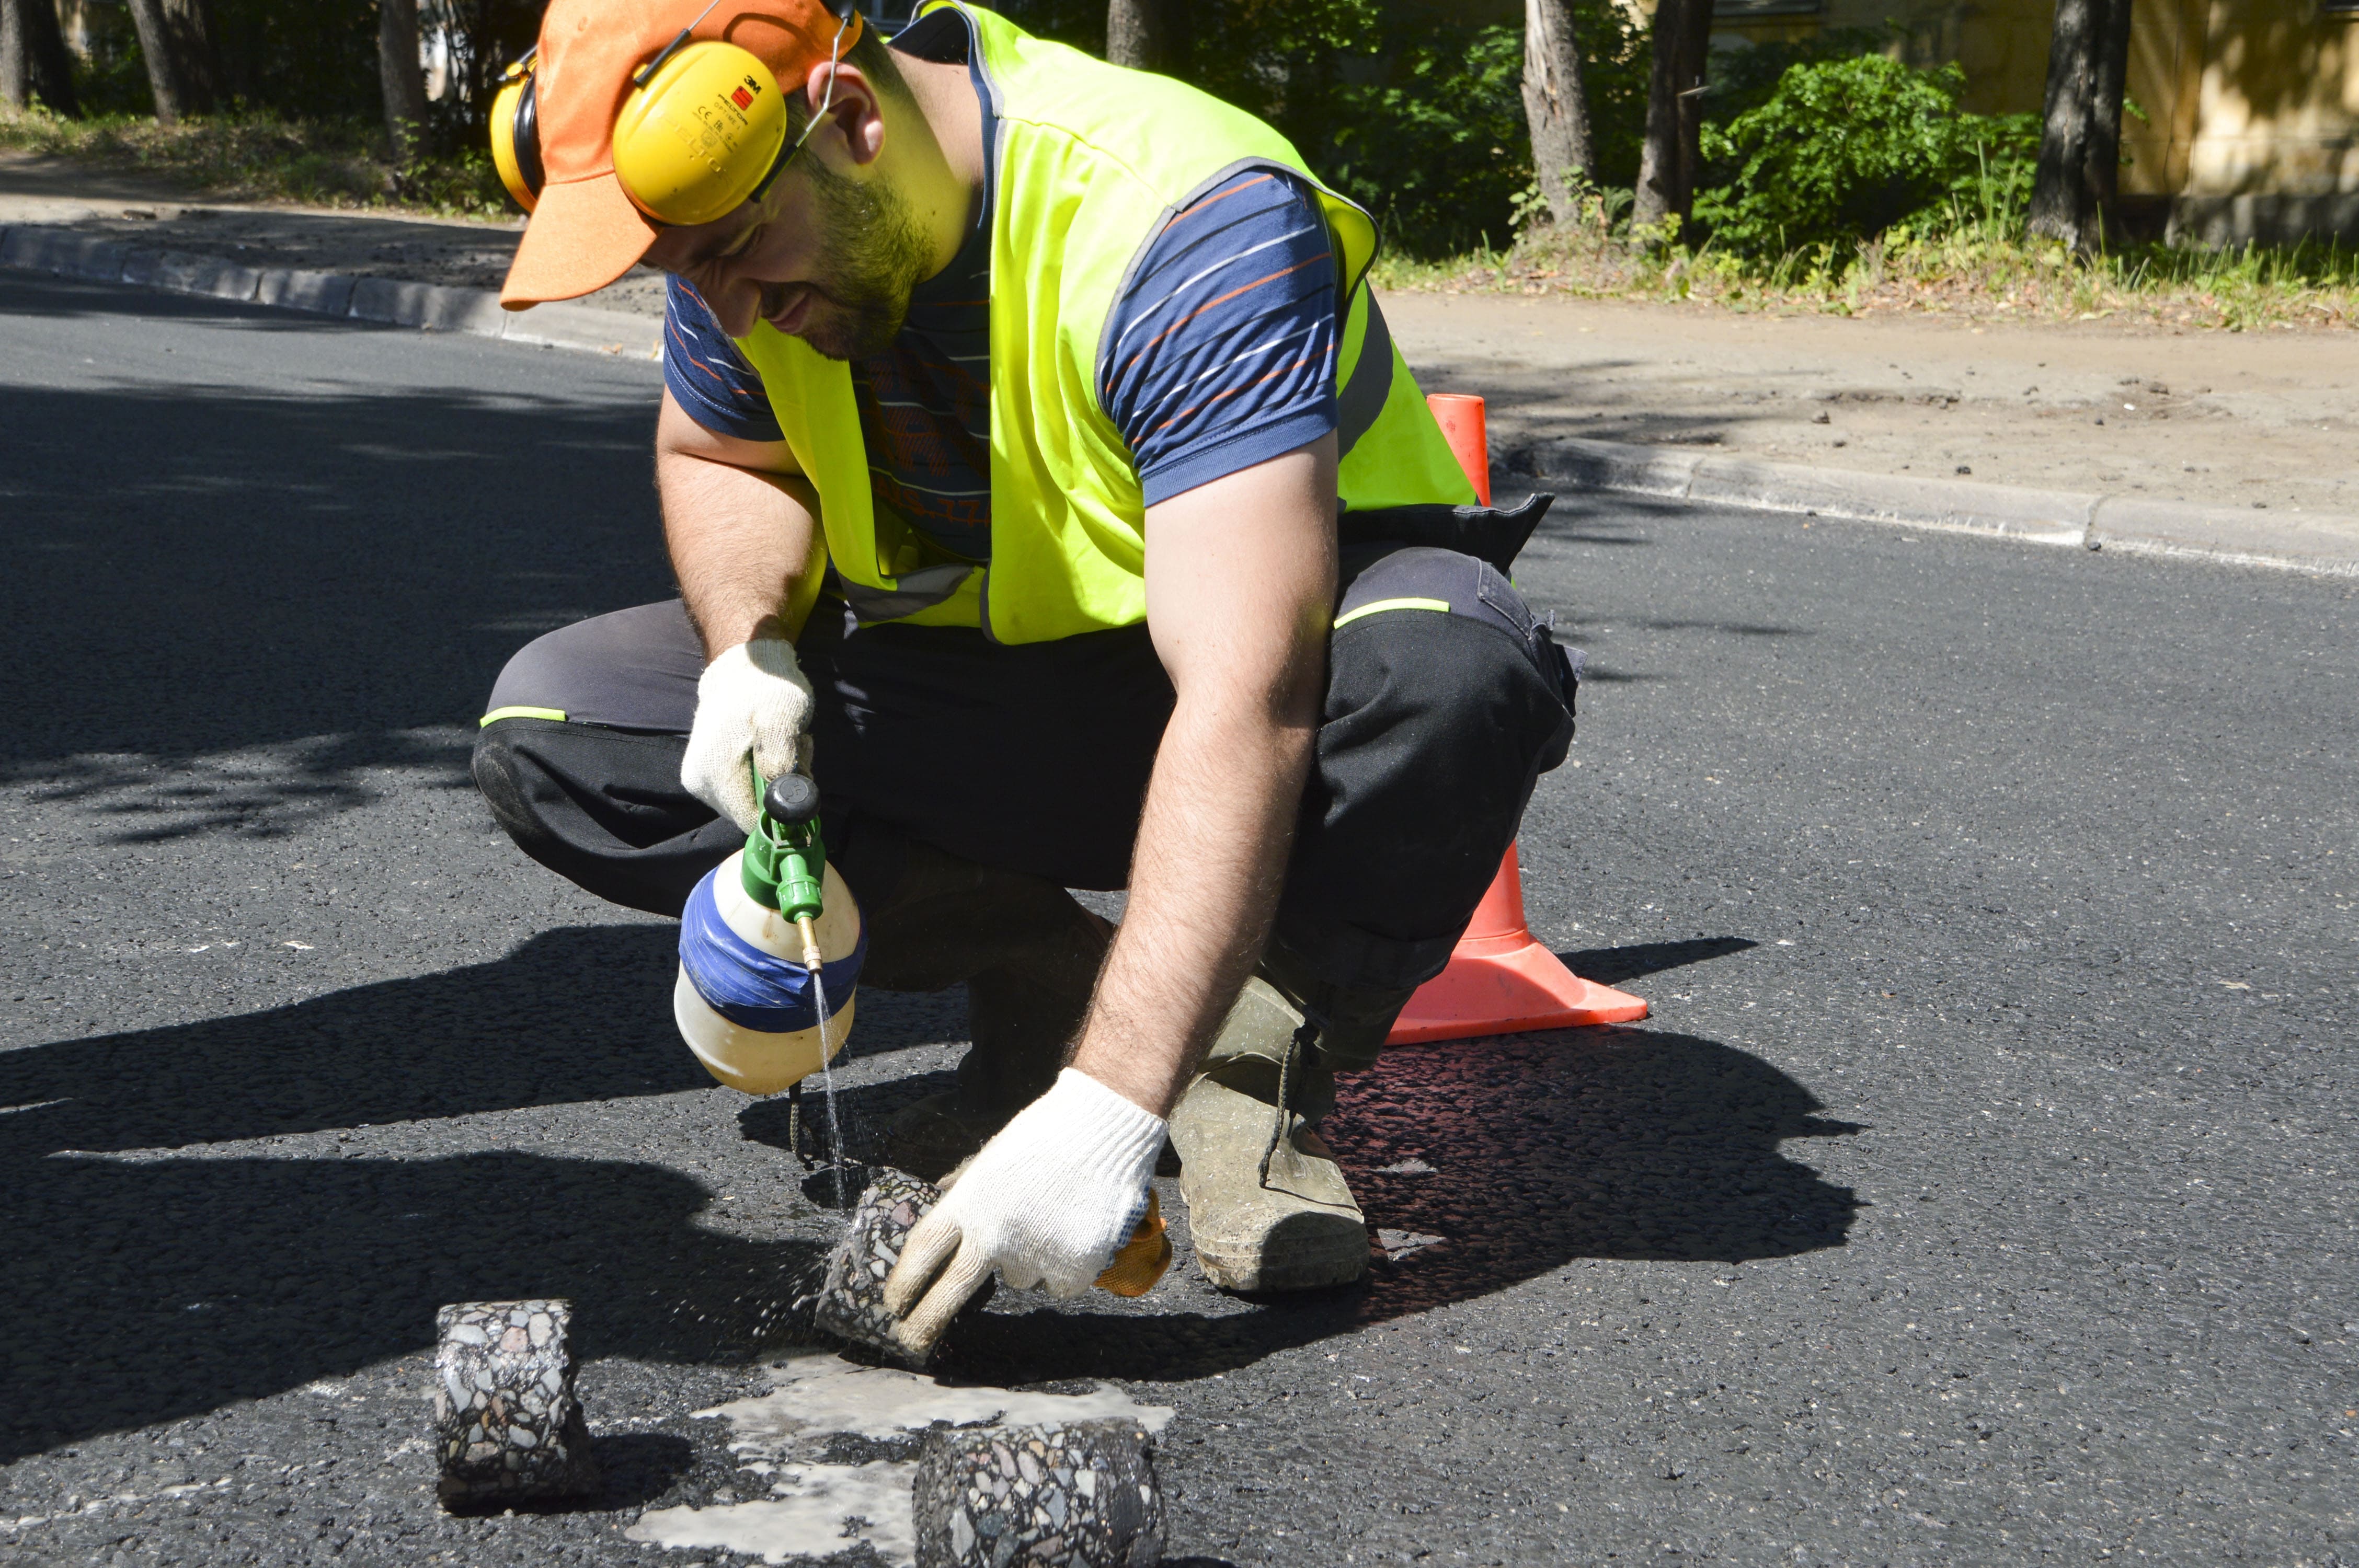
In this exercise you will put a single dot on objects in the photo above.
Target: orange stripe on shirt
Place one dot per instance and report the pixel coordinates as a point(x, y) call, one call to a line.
point(1232, 392)
point(1224, 299)
point(1210, 200)
point(689, 354)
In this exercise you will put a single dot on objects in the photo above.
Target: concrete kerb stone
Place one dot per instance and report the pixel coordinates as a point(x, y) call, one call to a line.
point(295, 288)
point(37, 249)
point(426, 306)
point(41, 247)
point(2037, 517)
point(1617, 465)
point(176, 271)
point(2318, 544)
point(2325, 545)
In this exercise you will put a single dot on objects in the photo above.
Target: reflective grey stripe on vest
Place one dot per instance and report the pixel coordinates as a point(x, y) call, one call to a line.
point(1364, 397)
point(911, 592)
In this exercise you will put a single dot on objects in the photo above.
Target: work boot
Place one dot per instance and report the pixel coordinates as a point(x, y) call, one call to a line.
point(1267, 1206)
point(1029, 956)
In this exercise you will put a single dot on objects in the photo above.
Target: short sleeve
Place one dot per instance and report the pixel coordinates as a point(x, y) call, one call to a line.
point(706, 373)
point(1221, 353)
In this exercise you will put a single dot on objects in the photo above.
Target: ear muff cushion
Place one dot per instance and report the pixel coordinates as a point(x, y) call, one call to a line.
point(516, 140)
point(527, 137)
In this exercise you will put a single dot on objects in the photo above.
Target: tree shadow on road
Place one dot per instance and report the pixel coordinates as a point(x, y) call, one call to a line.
point(564, 1018)
point(288, 584)
point(139, 1291)
point(151, 1276)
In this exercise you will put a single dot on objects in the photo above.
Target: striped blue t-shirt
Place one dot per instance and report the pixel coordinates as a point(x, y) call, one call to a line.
point(1222, 351)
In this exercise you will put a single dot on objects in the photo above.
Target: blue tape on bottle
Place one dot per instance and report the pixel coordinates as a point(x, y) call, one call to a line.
point(750, 987)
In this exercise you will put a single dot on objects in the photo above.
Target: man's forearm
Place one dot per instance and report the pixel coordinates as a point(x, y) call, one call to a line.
point(1205, 878)
point(739, 537)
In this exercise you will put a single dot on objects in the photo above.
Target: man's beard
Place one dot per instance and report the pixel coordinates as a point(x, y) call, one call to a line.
point(872, 255)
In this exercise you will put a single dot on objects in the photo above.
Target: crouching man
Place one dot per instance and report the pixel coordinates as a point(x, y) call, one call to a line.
point(1039, 476)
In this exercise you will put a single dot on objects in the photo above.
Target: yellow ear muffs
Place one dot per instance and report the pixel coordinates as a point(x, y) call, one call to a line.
point(699, 132)
point(515, 134)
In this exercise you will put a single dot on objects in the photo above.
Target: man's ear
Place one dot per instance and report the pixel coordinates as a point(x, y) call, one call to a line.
point(855, 112)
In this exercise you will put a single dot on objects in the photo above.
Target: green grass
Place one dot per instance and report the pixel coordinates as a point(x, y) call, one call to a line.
point(1983, 269)
point(263, 158)
point(1979, 266)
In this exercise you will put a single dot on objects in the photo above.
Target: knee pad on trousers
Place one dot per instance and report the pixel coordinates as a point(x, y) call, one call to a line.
point(1446, 700)
point(603, 808)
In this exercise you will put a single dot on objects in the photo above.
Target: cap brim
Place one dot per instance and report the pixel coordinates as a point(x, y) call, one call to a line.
point(583, 234)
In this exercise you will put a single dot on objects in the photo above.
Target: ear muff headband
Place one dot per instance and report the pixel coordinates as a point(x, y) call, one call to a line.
point(704, 128)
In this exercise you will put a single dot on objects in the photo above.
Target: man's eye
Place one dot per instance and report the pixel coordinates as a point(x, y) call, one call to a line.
point(738, 246)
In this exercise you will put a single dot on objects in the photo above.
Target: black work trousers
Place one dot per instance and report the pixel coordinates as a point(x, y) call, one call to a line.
point(1446, 699)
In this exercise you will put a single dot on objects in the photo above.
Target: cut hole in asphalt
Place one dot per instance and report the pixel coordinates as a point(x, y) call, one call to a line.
point(817, 1508)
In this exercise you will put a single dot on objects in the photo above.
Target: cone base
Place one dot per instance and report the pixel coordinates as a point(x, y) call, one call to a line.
point(1522, 989)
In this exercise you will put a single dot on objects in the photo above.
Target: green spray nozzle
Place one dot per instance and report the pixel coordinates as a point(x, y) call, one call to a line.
point(784, 855)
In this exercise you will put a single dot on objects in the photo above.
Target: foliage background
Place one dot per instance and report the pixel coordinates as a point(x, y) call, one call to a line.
point(1812, 148)
point(1419, 119)
point(1842, 150)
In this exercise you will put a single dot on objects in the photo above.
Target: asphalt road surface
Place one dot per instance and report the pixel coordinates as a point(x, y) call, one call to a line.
point(1981, 1190)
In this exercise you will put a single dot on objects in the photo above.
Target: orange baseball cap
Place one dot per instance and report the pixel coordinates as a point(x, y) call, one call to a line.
point(584, 232)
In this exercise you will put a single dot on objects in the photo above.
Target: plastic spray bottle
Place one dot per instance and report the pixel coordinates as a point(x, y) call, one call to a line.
point(745, 1000)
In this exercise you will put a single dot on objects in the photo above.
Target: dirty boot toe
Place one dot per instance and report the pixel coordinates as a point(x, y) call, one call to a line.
point(1300, 1230)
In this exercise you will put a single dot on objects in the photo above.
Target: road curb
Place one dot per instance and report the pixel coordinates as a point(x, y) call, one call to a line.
point(429, 307)
point(2321, 544)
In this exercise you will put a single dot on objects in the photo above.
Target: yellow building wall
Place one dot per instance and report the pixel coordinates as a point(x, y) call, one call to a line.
point(2239, 96)
point(2278, 100)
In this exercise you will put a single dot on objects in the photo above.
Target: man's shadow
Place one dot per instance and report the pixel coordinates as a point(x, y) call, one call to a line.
point(1481, 1164)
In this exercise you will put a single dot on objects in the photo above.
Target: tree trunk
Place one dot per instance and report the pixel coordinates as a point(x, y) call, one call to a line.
point(2062, 207)
point(1145, 35)
point(48, 63)
point(1667, 163)
point(402, 76)
point(179, 47)
point(2104, 158)
point(16, 59)
point(1556, 108)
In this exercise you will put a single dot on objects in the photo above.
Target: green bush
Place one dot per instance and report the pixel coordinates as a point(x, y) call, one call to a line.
point(1846, 149)
point(1435, 147)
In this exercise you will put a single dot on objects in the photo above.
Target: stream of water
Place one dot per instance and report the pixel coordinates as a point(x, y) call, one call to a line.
point(827, 1082)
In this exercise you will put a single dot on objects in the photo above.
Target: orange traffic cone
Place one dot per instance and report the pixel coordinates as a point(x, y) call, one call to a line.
point(1460, 415)
point(1500, 980)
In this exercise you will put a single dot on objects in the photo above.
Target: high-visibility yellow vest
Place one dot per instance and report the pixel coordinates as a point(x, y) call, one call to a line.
point(1092, 161)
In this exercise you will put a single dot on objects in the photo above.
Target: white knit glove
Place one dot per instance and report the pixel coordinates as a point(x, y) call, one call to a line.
point(1047, 1202)
point(752, 701)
